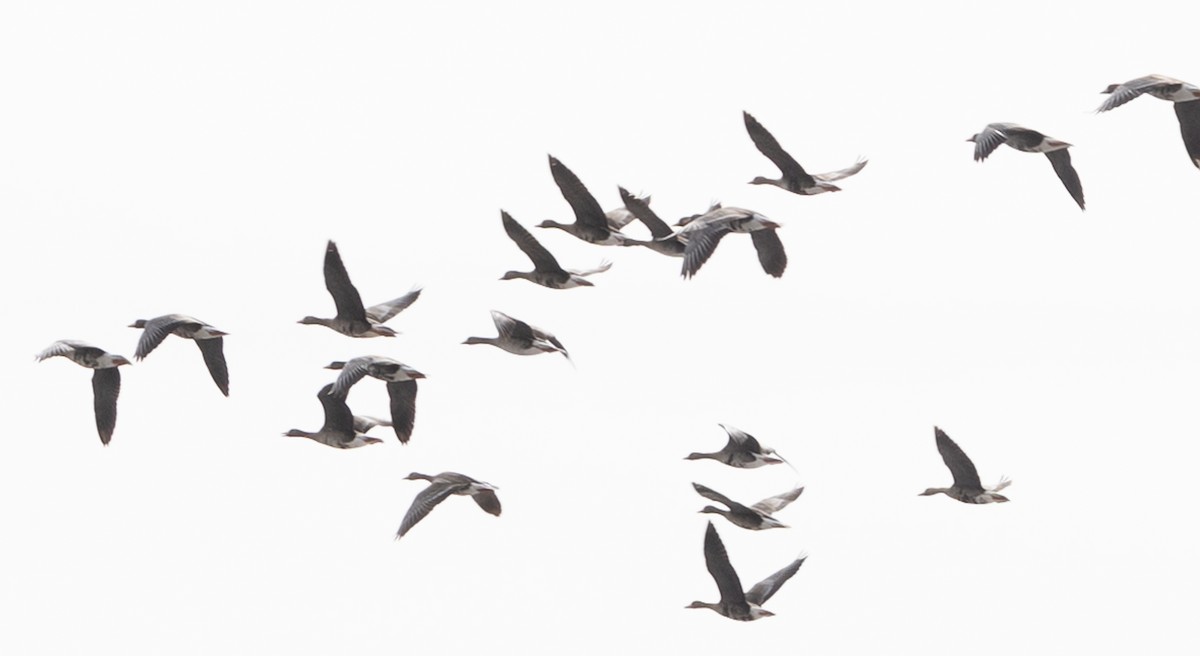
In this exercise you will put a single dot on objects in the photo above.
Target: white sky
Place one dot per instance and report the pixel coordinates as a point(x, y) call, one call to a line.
point(194, 157)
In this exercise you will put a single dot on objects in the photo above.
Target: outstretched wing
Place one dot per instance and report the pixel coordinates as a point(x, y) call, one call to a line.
point(587, 210)
point(488, 501)
point(766, 588)
point(106, 386)
point(769, 146)
point(988, 141)
point(843, 173)
point(424, 502)
point(778, 502)
point(1188, 114)
point(700, 247)
point(403, 397)
point(1061, 161)
point(717, 561)
point(771, 255)
point(1128, 91)
point(213, 351)
point(155, 331)
point(337, 281)
point(388, 309)
point(960, 466)
point(542, 259)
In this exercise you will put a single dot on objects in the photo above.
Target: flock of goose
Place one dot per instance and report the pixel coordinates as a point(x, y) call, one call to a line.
point(694, 239)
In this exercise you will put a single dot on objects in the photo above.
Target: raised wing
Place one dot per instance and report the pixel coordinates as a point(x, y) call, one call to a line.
point(843, 173)
point(717, 561)
point(709, 493)
point(960, 466)
point(388, 309)
point(774, 504)
point(338, 418)
point(542, 259)
point(766, 588)
point(769, 146)
point(640, 209)
point(337, 281)
point(583, 203)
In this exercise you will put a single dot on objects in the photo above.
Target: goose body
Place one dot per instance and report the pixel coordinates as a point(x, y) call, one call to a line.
point(736, 604)
point(106, 379)
point(442, 486)
point(1185, 97)
point(520, 338)
point(546, 270)
point(757, 517)
point(401, 382)
point(794, 178)
point(352, 318)
point(338, 431)
point(1031, 141)
point(742, 450)
point(967, 487)
point(209, 339)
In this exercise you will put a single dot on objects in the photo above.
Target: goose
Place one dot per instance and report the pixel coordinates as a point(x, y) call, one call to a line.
point(1185, 96)
point(620, 217)
point(546, 270)
point(352, 319)
point(106, 379)
point(1030, 141)
point(338, 431)
point(756, 517)
point(209, 339)
point(665, 240)
point(794, 179)
point(742, 451)
point(442, 486)
point(736, 604)
point(591, 223)
point(967, 487)
point(702, 234)
point(401, 382)
point(520, 338)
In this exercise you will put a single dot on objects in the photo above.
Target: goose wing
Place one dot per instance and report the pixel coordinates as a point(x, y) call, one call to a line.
point(700, 247)
point(403, 396)
point(352, 371)
point(1061, 161)
point(769, 146)
point(543, 261)
point(588, 212)
point(771, 255)
point(1188, 114)
point(1130, 90)
point(106, 386)
point(425, 501)
point(717, 561)
point(488, 501)
point(156, 330)
point(338, 418)
point(766, 588)
point(989, 140)
point(709, 493)
point(774, 504)
point(388, 309)
point(640, 209)
point(842, 173)
point(960, 466)
point(513, 329)
point(337, 281)
point(213, 351)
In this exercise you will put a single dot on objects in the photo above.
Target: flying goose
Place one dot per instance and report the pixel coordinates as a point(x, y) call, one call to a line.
point(702, 234)
point(756, 517)
point(338, 431)
point(1030, 141)
point(1185, 96)
point(967, 487)
point(520, 338)
point(546, 270)
point(442, 486)
point(742, 451)
point(209, 339)
point(106, 379)
point(401, 382)
point(794, 179)
point(352, 319)
point(591, 223)
point(620, 217)
point(736, 604)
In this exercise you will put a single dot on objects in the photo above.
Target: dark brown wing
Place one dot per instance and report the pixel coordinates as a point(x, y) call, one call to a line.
point(960, 466)
point(766, 588)
point(403, 397)
point(721, 570)
point(543, 261)
point(1061, 161)
point(338, 418)
point(213, 350)
point(424, 502)
point(1188, 114)
point(488, 501)
point(642, 212)
point(337, 281)
point(769, 146)
point(106, 386)
point(709, 493)
point(770, 251)
point(700, 247)
point(587, 211)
